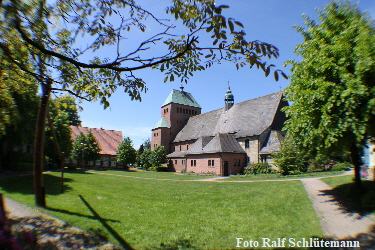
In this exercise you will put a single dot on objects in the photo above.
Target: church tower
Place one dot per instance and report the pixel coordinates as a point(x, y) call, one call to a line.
point(229, 99)
point(175, 111)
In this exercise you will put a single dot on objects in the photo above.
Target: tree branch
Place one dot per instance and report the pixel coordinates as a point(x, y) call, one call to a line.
point(111, 66)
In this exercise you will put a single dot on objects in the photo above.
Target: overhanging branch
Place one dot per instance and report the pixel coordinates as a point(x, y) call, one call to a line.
point(111, 66)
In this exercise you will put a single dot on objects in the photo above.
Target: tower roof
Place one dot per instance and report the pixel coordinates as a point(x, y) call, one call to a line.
point(162, 123)
point(181, 97)
point(229, 96)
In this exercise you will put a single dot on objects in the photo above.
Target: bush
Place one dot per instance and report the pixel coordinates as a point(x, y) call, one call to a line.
point(158, 168)
point(341, 166)
point(258, 168)
point(162, 169)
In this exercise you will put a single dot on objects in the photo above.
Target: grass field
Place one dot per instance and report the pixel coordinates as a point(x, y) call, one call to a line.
point(165, 214)
point(151, 174)
point(284, 177)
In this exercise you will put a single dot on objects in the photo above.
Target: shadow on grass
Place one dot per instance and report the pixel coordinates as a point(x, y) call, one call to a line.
point(95, 216)
point(24, 184)
point(103, 221)
point(351, 200)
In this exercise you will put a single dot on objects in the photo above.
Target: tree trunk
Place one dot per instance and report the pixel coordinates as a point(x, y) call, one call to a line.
point(39, 146)
point(357, 162)
point(60, 154)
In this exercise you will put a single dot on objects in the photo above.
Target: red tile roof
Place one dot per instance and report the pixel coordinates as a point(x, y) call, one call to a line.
point(108, 140)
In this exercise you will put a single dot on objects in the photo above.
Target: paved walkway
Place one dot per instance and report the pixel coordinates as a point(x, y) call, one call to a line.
point(336, 223)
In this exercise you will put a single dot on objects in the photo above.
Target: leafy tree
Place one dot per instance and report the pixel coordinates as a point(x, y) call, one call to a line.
point(145, 159)
point(126, 153)
point(47, 33)
point(332, 88)
point(147, 144)
point(85, 148)
point(157, 157)
point(79, 147)
point(63, 113)
point(92, 149)
point(289, 159)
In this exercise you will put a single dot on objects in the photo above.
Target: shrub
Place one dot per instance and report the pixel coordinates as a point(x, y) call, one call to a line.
point(341, 166)
point(162, 169)
point(258, 168)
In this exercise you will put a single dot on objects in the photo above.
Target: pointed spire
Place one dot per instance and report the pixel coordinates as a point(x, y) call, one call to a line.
point(229, 98)
point(182, 88)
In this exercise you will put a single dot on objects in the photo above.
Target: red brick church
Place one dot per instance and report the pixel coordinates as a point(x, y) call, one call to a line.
point(222, 141)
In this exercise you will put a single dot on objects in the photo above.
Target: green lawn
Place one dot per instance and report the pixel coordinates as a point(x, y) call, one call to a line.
point(337, 181)
point(284, 177)
point(352, 198)
point(152, 174)
point(157, 214)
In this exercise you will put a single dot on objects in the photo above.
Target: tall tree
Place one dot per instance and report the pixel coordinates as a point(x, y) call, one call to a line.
point(85, 148)
point(63, 113)
point(48, 33)
point(126, 153)
point(157, 157)
point(92, 149)
point(332, 90)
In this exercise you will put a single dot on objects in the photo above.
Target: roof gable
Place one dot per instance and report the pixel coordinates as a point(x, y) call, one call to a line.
point(272, 143)
point(244, 119)
point(108, 140)
point(221, 143)
point(181, 97)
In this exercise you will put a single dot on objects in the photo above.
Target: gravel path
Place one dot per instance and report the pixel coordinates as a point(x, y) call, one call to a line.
point(335, 222)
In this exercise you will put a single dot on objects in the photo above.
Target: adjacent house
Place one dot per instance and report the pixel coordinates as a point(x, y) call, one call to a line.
point(108, 141)
point(222, 141)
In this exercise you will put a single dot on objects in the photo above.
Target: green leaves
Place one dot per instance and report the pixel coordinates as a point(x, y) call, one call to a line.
point(332, 86)
point(126, 153)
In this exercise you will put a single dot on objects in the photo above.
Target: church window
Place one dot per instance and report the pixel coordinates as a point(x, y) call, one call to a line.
point(247, 143)
point(175, 162)
point(193, 163)
point(178, 110)
point(187, 147)
point(189, 111)
point(211, 163)
point(248, 159)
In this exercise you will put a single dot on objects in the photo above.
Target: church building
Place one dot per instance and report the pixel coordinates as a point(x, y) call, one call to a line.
point(222, 141)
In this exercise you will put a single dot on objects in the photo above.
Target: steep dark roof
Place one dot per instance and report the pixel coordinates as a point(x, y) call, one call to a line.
point(244, 119)
point(221, 143)
point(108, 140)
point(272, 143)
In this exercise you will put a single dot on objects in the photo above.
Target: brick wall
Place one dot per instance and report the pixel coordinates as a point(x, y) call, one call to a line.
point(176, 164)
point(160, 136)
point(203, 163)
point(177, 115)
